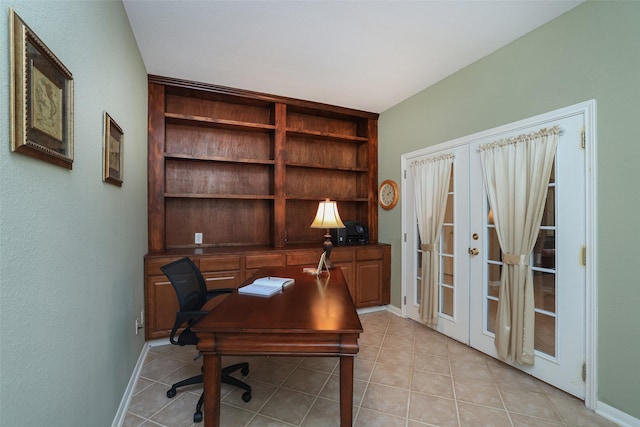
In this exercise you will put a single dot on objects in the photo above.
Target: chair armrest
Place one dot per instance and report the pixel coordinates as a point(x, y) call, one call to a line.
point(183, 317)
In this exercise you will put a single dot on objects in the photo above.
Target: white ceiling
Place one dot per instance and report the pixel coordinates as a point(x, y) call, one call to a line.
point(367, 55)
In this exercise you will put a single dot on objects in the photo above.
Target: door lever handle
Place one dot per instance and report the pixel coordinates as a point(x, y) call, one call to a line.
point(474, 251)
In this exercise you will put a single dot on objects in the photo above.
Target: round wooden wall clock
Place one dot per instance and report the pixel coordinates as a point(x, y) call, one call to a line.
point(388, 194)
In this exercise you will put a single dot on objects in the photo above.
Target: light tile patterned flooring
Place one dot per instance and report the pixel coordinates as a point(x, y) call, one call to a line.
point(405, 375)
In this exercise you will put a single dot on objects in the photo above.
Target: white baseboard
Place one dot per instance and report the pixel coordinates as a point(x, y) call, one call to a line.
point(371, 309)
point(389, 308)
point(615, 415)
point(126, 398)
point(159, 342)
point(394, 310)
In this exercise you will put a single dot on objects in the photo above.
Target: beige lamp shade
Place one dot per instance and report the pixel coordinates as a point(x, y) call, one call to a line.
point(327, 216)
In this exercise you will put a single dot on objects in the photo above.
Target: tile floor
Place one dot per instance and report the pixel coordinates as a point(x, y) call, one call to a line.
point(405, 375)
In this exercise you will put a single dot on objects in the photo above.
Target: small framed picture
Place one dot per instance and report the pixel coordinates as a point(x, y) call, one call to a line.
point(41, 98)
point(113, 151)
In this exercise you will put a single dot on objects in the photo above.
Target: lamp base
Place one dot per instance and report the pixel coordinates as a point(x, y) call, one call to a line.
point(328, 247)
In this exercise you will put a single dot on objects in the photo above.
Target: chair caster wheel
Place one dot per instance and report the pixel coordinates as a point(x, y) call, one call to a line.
point(246, 396)
point(197, 417)
point(245, 371)
point(171, 393)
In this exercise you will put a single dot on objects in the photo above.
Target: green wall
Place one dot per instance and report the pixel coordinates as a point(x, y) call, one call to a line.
point(71, 246)
point(592, 51)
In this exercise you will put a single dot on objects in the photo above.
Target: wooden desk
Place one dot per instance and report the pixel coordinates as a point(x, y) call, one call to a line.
point(313, 317)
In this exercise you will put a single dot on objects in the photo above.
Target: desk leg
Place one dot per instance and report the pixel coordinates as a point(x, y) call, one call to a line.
point(346, 391)
point(212, 367)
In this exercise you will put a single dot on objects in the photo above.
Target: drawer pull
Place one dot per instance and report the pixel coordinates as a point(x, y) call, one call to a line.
point(211, 279)
point(161, 283)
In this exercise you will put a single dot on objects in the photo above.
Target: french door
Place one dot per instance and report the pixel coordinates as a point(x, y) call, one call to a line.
point(470, 257)
point(453, 312)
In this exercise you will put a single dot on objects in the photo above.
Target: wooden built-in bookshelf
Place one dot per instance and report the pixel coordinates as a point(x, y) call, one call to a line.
point(247, 170)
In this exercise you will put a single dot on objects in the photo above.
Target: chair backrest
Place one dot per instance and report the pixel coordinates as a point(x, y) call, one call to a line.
point(190, 286)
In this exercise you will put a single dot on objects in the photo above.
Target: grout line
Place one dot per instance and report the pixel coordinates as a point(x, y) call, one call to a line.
point(280, 387)
point(317, 395)
point(453, 386)
point(268, 399)
point(368, 381)
point(411, 371)
point(495, 383)
point(555, 408)
point(169, 402)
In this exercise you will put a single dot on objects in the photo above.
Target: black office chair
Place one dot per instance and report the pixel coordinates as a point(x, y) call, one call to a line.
point(192, 294)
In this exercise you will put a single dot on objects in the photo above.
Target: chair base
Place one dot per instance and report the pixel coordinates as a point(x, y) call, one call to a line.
point(226, 378)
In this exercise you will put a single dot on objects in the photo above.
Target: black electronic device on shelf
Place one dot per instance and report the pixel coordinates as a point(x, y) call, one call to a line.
point(354, 233)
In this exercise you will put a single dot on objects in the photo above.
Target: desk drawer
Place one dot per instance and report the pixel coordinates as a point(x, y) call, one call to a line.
point(368, 254)
point(304, 258)
point(154, 264)
point(229, 279)
point(220, 263)
point(341, 255)
point(264, 260)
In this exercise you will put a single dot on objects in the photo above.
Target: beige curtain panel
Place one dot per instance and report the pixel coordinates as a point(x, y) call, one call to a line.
point(516, 175)
point(431, 182)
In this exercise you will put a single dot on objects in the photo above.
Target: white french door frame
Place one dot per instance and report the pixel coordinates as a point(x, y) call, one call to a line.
point(588, 109)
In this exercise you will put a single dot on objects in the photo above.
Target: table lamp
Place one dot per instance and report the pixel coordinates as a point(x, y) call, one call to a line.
point(327, 217)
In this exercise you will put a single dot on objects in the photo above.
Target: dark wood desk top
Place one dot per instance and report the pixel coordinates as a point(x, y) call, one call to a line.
point(310, 305)
point(312, 317)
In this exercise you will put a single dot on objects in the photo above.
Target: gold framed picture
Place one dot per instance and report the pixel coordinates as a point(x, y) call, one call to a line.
point(113, 151)
point(41, 98)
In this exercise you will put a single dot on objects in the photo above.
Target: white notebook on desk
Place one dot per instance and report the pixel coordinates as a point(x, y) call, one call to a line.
point(266, 286)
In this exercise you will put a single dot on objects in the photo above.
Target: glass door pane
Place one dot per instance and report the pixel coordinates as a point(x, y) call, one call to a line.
point(447, 250)
point(544, 277)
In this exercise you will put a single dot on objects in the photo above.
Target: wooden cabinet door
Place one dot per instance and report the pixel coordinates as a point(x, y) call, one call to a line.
point(368, 283)
point(347, 271)
point(161, 303)
point(162, 306)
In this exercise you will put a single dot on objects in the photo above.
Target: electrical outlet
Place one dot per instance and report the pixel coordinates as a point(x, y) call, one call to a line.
point(198, 239)
point(137, 326)
point(142, 317)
